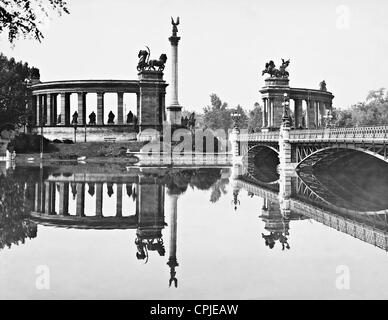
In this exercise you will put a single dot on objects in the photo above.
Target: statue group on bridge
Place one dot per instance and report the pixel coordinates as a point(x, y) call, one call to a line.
point(270, 68)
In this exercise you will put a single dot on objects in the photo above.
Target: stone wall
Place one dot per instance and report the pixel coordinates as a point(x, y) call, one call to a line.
point(93, 133)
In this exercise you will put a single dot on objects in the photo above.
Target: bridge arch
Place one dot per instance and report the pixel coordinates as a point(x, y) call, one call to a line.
point(327, 153)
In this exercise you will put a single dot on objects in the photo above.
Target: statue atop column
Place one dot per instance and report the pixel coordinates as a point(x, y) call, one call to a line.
point(270, 68)
point(174, 26)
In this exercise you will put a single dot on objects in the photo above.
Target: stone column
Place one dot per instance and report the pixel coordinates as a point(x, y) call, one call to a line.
point(271, 112)
point(120, 107)
point(63, 108)
point(54, 109)
point(99, 196)
point(298, 112)
point(63, 198)
point(44, 111)
point(322, 112)
point(119, 200)
point(100, 108)
point(38, 109)
point(81, 108)
point(174, 109)
point(49, 110)
point(80, 208)
point(264, 113)
point(310, 114)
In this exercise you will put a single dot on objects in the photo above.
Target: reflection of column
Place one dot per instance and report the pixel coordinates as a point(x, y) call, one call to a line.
point(172, 260)
point(120, 111)
point(100, 108)
point(47, 197)
point(63, 198)
point(119, 200)
point(99, 199)
point(80, 209)
point(38, 191)
point(52, 198)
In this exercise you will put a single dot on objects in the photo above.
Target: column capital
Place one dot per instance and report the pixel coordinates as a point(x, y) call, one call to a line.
point(174, 40)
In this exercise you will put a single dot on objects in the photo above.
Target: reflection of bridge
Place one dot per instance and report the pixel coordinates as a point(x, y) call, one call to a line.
point(293, 197)
point(308, 147)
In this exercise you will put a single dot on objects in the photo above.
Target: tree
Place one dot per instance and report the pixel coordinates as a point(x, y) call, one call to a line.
point(21, 17)
point(14, 90)
point(372, 112)
point(255, 118)
point(217, 115)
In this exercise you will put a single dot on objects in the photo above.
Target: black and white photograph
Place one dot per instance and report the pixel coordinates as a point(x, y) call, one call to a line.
point(192, 150)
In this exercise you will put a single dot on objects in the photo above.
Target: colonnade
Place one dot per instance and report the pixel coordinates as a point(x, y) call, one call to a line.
point(312, 117)
point(46, 108)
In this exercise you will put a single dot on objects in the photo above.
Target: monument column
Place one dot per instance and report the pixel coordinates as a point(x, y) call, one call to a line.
point(100, 108)
point(63, 108)
point(174, 109)
point(120, 109)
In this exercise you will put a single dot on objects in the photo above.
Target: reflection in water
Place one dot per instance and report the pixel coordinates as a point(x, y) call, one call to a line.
point(82, 199)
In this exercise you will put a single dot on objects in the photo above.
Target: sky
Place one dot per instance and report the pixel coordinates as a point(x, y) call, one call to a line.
point(224, 45)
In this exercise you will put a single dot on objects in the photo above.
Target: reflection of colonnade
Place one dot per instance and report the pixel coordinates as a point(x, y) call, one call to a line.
point(99, 201)
point(53, 197)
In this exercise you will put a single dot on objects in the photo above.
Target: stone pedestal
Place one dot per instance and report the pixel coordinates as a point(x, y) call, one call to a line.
point(273, 96)
point(152, 100)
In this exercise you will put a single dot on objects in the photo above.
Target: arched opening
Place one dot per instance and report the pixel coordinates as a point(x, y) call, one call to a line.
point(262, 164)
point(350, 179)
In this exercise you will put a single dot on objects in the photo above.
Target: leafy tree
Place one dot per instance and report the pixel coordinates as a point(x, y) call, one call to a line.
point(342, 118)
point(14, 90)
point(217, 115)
point(255, 120)
point(372, 112)
point(21, 17)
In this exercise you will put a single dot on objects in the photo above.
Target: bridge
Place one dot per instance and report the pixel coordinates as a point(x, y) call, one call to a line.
point(307, 147)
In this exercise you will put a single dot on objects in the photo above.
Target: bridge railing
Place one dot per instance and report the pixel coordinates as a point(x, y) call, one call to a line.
point(260, 136)
point(362, 134)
